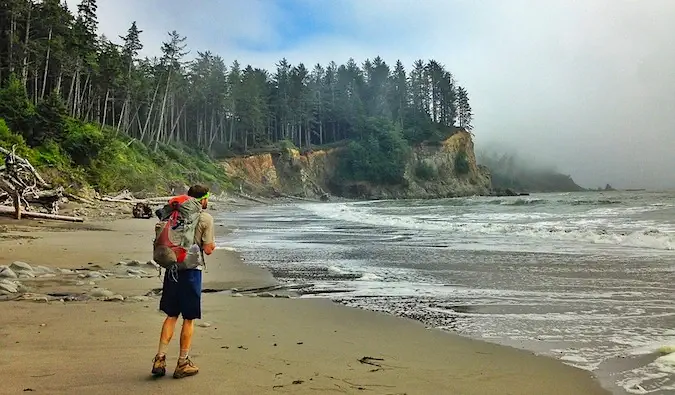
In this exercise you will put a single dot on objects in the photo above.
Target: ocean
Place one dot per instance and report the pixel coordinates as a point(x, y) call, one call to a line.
point(584, 277)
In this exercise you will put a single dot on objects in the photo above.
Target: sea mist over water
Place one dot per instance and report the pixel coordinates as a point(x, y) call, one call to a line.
point(510, 169)
point(584, 277)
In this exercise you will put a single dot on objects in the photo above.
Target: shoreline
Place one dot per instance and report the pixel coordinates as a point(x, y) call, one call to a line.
point(248, 344)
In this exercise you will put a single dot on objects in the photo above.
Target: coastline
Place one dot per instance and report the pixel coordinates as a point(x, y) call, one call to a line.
point(245, 344)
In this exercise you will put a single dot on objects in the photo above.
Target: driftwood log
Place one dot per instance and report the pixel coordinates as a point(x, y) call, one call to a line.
point(4, 210)
point(21, 185)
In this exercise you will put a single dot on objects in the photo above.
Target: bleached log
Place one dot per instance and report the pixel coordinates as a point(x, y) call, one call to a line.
point(4, 210)
point(27, 165)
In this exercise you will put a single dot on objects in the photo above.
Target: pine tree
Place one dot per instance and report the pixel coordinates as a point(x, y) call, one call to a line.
point(55, 57)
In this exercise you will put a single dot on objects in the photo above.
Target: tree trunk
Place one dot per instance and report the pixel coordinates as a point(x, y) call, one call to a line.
point(44, 77)
point(59, 81)
point(158, 134)
point(105, 108)
point(24, 67)
point(147, 120)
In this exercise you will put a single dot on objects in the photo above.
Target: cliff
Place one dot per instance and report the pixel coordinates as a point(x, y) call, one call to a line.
point(446, 169)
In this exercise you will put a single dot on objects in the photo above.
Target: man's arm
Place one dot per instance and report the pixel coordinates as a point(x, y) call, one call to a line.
point(208, 234)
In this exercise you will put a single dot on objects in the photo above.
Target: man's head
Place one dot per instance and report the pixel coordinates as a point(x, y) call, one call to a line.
point(201, 193)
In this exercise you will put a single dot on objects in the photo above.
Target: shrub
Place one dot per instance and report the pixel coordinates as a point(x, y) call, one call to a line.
point(425, 171)
point(462, 163)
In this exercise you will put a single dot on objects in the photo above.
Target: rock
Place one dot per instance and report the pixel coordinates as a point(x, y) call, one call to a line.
point(95, 275)
point(26, 275)
point(20, 287)
point(19, 266)
point(6, 272)
point(134, 263)
point(266, 295)
point(237, 295)
point(79, 283)
point(65, 271)
point(44, 269)
point(138, 298)
point(115, 298)
point(100, 293)
point(204, 324)
point(9, 288)
point(40, 299)
point(137, 272)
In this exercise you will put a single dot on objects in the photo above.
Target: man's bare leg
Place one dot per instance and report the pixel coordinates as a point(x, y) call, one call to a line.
point(185, 367)
point(159, 363)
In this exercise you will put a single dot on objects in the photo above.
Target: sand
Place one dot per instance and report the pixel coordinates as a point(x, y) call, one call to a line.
point(244, 344)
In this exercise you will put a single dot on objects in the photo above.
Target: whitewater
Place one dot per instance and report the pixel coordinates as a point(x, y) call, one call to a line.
point(584, 277)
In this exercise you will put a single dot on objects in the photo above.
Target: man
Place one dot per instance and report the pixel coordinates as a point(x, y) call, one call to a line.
point(181, 295)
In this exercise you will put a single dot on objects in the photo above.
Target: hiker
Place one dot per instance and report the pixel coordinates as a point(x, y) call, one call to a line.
point(185, 232)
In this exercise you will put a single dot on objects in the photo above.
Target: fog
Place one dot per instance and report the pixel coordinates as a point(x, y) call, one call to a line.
point(585, 86)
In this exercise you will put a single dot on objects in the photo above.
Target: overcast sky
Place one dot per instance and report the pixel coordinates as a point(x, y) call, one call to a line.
point(587, 86)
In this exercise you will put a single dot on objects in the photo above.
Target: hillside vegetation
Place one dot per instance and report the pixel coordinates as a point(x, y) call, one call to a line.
point(61, 81)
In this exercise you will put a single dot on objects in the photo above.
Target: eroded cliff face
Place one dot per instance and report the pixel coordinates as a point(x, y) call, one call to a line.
point(432, 171)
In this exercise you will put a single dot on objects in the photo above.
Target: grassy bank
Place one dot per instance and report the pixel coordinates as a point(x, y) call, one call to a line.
point(87, 156)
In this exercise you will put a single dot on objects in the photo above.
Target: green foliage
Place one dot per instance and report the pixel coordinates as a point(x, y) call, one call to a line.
point(15, 107)
point(426, 171)
point(50, 120)
point(98, 157)
point(83, 142)
point(462, 163)
point(9, 139)
point(66, 70)
point(286, 145)
point(380, 157)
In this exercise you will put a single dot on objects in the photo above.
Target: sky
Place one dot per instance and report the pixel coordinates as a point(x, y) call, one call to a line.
point(587, 86)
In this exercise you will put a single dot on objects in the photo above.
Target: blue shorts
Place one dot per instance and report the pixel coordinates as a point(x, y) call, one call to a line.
point(182, 297)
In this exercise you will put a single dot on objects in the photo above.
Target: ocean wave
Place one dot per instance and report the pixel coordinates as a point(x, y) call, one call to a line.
point(536, 201)
point(609, 231)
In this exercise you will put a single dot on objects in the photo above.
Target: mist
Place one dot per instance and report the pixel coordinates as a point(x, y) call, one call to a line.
point(522, 172)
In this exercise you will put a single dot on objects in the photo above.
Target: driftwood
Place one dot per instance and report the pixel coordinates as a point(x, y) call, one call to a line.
point(21, 185)
point(26, 164)
point(78, 198)
point(127, 197)
point(4, 210)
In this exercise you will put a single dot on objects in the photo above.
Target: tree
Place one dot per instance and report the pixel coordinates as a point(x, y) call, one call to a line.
point(464, 113)
point(202, 102)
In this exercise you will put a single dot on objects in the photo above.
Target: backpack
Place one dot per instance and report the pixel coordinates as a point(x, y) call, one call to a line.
point(175, 233)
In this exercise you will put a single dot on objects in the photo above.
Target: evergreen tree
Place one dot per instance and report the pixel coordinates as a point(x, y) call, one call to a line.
point(48, 56)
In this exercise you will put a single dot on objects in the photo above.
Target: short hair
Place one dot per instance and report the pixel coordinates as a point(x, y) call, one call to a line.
point(198, 191)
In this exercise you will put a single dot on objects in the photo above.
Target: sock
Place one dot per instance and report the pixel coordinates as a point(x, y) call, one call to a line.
point(186, 339)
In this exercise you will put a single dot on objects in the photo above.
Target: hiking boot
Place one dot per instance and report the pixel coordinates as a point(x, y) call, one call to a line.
point(159, 366)
point(185, 368)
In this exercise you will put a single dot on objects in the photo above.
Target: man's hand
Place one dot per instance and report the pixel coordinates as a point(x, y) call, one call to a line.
point(208, 248)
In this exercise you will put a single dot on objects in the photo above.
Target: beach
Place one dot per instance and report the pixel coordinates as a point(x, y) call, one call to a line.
point(248, 342)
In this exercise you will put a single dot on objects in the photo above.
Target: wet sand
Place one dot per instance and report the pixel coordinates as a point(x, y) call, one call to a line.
point(245, 344)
